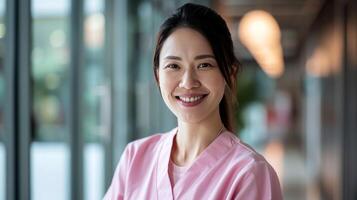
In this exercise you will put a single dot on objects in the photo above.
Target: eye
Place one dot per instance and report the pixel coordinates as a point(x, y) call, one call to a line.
point(171, 66)
point(204, 65)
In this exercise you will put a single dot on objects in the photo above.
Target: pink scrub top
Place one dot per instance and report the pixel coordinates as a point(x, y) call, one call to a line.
point(226, 169)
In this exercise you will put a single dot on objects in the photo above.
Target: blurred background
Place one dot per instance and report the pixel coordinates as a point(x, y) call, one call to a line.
point(76, 85)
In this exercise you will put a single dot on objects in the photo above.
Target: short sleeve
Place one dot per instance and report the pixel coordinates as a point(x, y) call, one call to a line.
point(117, 187)
point(260, 182)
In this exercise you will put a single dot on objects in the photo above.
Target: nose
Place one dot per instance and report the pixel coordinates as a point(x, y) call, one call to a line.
point(189, 80)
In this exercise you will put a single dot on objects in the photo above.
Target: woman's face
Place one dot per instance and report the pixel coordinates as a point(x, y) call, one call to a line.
point(190, 81)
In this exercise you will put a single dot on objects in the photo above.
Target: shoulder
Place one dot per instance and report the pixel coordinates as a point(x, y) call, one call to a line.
point(255, 177)
point(246, 158)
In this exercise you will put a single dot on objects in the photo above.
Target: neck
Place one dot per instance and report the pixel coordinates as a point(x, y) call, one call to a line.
point(192, 138)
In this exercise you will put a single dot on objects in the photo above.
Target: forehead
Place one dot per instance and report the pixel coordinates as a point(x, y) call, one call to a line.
point(185, 42)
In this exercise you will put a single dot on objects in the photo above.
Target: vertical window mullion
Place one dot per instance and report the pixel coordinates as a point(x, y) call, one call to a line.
point(349, 183)
point(9, 111)
point(23, 99)
point(108, 48)
point(120, 80)
point(76, 67)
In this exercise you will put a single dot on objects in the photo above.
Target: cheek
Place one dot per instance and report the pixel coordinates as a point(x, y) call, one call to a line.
point(216, 83)
point(219, 90)
point(166, 85)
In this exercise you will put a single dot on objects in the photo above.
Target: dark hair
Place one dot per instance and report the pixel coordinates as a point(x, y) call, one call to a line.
point(214, 29)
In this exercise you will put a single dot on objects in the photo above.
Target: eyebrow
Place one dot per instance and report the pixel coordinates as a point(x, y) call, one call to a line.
point(196, 58)
point(204, 56)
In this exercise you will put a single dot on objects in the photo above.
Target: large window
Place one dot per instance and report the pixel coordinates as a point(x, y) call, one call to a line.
point(50, 154)
point(51, 65)
point(95, 125)
point(67, 63)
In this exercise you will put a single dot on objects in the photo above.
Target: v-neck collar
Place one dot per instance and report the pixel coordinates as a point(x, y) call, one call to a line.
point(164, 188)
point(206, 160)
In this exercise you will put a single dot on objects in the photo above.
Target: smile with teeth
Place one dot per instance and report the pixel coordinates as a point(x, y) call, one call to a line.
point(190, 99)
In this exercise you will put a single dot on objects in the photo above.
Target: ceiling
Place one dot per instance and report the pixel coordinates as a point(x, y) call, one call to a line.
point(293, 16)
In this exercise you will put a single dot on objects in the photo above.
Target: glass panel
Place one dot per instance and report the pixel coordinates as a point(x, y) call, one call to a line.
point(50, 60)
point(2, 100)
point(50, 157)
point(93, 171)
point(96, 104)
point(50, 171)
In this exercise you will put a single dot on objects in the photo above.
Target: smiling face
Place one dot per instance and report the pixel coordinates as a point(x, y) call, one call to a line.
point(189, 77)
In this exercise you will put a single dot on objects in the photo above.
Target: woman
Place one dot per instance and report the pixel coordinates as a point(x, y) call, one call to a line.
point(195, 68)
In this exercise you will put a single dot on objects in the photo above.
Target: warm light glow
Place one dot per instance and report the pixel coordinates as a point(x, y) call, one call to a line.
point(326, 57)
point(318, 64)
point(258, 27)
point(260, 33)
point(94, 30)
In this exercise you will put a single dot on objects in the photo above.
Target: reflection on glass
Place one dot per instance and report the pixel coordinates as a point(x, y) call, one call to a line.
point(95, 100)
point(50, 157)
point(49, 171)
point(2, 99)
point(93, 171)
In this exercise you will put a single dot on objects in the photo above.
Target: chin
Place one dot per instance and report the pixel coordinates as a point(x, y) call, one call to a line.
point(191, 118)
